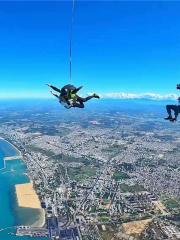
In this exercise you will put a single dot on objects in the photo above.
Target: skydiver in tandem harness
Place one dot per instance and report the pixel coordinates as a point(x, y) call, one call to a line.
point(175, 108)
point(68, 97)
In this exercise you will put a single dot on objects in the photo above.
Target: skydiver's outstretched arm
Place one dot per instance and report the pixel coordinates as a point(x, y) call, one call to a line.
point(77, 89)
point(54, 94)
point(54, 88)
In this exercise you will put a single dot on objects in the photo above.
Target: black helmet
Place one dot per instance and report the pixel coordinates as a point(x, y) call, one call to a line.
point(64, 92)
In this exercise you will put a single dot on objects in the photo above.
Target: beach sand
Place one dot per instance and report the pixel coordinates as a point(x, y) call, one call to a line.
point(27, 198)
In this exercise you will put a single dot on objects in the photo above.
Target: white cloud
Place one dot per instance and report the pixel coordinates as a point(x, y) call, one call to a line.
point(152, 96)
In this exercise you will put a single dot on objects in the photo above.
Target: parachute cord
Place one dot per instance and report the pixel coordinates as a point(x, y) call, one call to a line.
point(71, 38)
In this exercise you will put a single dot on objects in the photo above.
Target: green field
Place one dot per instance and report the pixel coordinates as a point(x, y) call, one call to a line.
point(171, 203)
point(132, 189)
point(64, 158)
point(70, 159)
point(33, 148)
point(93, 209)
point(104, 217)
point(80, 173)
point(120, 175)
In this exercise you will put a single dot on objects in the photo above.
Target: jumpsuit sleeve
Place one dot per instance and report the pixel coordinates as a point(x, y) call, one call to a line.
point(56, 89)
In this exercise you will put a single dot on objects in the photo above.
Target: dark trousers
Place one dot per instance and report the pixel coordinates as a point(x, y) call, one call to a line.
point(81, 101)
point(175, 108)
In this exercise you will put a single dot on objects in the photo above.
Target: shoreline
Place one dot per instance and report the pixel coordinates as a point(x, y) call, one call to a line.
point(11, 145)
point(44, 219)
point(14, 157)
point(20, 157)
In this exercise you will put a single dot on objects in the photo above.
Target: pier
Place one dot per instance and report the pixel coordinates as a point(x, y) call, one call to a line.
point(32, 232)
point(3, 229)
point(12, 158)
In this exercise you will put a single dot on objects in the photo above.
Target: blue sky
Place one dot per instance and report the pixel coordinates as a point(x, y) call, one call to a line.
point(129, 47)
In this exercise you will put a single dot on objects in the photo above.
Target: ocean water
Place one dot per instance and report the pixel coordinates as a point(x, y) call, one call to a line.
point(10, 214)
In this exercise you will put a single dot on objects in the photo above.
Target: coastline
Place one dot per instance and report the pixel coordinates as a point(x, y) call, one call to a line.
point(19, 156)
point(43, 219)
point(11, 145)
point(12, 157)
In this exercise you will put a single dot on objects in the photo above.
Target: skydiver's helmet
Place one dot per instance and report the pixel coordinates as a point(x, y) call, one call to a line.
point(64, 92)
point(178, 86)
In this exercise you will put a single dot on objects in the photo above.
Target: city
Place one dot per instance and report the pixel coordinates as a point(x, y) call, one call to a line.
point(98, 177)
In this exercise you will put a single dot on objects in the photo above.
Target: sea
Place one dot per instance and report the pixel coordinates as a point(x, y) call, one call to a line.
point(12, 173)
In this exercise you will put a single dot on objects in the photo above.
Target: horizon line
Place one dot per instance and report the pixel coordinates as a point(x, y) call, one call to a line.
point(108, 98)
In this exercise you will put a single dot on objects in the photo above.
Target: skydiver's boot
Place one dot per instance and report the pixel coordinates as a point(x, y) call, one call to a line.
point(174, 119)
point(96, 96)
point(168, 109)
point(168, 118)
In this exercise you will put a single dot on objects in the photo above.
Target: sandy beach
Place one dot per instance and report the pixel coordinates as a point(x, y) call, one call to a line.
point(27, 197)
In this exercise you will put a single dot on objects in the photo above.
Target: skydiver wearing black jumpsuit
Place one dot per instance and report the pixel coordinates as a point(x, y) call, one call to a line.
point(175, 108)
point(68, 97)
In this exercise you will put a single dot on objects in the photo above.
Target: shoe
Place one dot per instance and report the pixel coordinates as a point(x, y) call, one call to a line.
point(173, 120)
point(168, 118)
point(96, 96)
